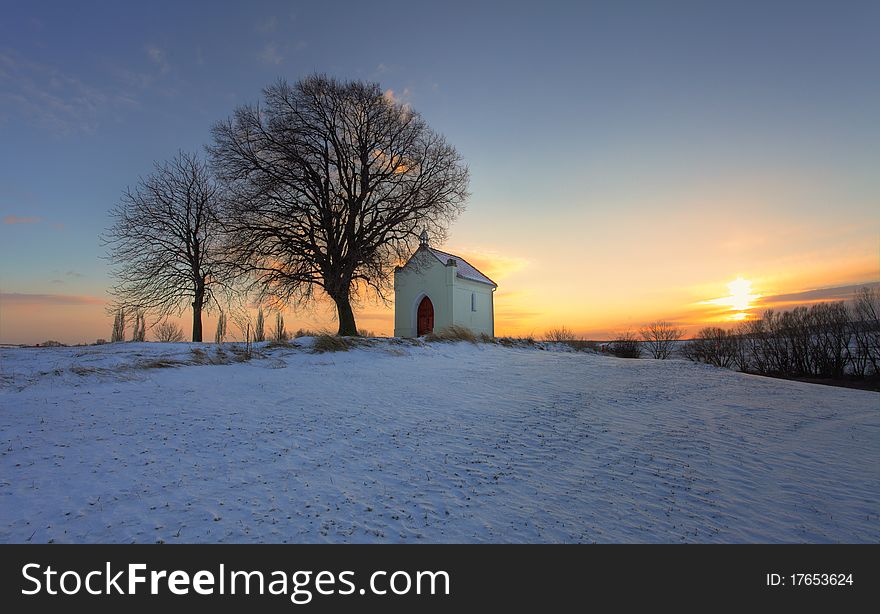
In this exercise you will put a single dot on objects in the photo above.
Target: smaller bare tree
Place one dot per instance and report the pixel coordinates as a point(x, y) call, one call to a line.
point(866, 329)
point(165, 244)
point(713, 346)
point(278, 333)
point(744, 344)
point(140, 327)
point(626, 345)
point(118, 326)
point(168, 332)
point(260, 327)
point(660, 338)
point(220, 335)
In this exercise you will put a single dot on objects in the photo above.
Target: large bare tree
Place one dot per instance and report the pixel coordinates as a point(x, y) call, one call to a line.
point(164, 245)
point(331, 184)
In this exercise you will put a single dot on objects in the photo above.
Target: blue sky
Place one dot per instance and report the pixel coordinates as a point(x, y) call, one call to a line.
point(755, 121)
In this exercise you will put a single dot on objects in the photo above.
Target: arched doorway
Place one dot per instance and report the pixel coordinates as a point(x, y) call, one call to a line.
point(425, 317)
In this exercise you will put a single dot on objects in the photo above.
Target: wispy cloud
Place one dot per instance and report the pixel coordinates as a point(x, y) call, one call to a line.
point(383, 70)
point(47, 97)
point(268, 25)
point(24, 298)
point(271, 55)
point(271, 30)
point(158, 57)
point(389, 95)
point(57, 279)
point(16, 219)
point(134, 84)
point(401, 97)
point(817, 295)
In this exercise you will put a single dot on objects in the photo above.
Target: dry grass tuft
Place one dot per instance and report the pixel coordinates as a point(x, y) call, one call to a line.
point(158, 363)
point(580, 345)
point(412, 341)
point(515, 341)
point(332, 343)
point(452, 333)
point(274, 344)
point(84, 371)
point(304, 332)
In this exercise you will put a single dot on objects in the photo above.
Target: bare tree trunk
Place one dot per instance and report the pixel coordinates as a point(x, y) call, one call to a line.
point(197, 315)
point(347, 326)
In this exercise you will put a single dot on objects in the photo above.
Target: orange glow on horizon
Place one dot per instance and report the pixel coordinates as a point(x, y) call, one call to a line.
point(541, 286)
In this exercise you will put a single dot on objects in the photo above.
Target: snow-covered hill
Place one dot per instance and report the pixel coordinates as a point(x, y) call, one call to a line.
point(436, 443)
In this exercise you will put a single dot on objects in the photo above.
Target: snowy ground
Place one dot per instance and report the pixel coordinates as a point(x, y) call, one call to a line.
point(442, 443)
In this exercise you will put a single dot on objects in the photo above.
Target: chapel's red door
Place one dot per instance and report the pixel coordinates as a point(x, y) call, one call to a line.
point(425, 317)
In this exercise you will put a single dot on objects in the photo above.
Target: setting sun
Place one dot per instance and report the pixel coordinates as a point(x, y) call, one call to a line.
point(740, 300)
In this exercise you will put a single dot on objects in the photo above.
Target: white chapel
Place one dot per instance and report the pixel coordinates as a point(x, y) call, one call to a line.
point(435, 290)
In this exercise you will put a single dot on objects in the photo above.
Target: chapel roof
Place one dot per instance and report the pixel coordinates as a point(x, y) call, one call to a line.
point(465, 269)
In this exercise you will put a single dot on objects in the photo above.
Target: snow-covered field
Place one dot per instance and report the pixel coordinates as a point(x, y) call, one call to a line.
point(437, 443)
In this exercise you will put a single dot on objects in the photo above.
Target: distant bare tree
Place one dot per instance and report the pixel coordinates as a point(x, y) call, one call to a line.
point(118, 326)
point(625, 345)
point(866, 329)
point(140, 327)
point(220, 335)
point(713, 346)
point(795, 325)
point(243, 322)
point(744, 345)
point(777, 345)
point(332, 183)
point(164, 245)
point(751, 352)
point(830, 339)
point(559, 335)
point(260, 327)
point(279, 333)
point(660, 338)
point(168, 332)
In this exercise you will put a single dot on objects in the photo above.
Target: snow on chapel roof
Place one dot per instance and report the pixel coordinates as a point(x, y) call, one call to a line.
point(465, 269)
